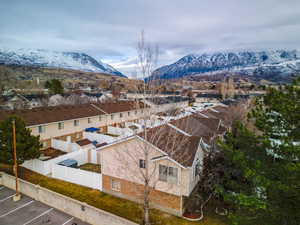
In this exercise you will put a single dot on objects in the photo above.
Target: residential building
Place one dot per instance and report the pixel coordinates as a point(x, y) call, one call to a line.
point(67, 122)
point(174, 162)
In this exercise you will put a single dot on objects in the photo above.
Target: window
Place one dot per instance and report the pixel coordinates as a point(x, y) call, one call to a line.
point(197, 169)
point(142, 163)
point(135, 112)
point(76, 123)
point(121, 115)
point(99, 118)
point(60, 125)
point(112, 117)
point(163, 173)
point(115, 185)
point(128, 113)
point(45, 144)
point(168, 174)
point(42, 129)
point(172, 175)
point(89, 120)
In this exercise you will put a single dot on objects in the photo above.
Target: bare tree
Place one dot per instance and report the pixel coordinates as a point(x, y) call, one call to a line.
point(162, 136)
point(146, 62)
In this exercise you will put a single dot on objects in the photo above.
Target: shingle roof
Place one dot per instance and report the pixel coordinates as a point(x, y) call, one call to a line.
point(176, 145)
point(83, 142)
point(213, 114)
point(200, 126)
point(43, 115)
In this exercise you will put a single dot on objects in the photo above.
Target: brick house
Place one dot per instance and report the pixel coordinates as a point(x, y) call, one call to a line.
point(174, 162)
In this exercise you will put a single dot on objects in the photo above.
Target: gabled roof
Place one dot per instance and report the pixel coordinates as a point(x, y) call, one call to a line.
point(200, 126)
point(215, 114)
point(44, 115)
point(179, 147)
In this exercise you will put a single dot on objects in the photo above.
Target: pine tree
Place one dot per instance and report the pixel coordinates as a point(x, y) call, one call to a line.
point(266, 187)
point(28, 146)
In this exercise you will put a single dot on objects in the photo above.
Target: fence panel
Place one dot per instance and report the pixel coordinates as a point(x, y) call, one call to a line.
point(100, 138)
point(93, 156)
point(119, 131)
point(45, 167)
point(61, 145)
point(77, 176)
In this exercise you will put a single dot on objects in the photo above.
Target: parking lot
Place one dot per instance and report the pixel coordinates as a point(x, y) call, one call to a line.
point(27, 211)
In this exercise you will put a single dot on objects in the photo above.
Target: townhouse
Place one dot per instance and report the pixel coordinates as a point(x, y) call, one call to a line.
point(176, 151)
point(67, 122)
point(173, 159)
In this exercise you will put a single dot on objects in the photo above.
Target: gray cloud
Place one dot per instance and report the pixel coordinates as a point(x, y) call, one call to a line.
point(109, 30)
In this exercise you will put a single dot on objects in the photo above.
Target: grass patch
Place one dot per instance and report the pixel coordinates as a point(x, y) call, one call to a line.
point(112, 135)
point(96, 168)
point(121, 207)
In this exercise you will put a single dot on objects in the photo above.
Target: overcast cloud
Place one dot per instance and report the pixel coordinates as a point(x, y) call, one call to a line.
point(109, 30)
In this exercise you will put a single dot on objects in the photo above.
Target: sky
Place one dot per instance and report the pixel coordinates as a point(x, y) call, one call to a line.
point(109, 30)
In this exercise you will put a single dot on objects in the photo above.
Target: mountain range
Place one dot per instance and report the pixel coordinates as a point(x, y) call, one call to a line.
point(55, 59)
point(263, 64)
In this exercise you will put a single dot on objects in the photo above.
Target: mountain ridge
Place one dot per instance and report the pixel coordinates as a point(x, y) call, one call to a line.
point(55, 59)
point(250, 63)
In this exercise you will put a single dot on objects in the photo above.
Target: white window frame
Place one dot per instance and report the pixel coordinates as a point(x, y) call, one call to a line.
point(89, 120)
point(168, 178)
point(142, 163)
point(61, 125)
point(115, 185)
point(41, 129)
point(45, 144)
point(76, 123)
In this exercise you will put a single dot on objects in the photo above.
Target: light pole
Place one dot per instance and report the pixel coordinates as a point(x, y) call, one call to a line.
point(16, 197)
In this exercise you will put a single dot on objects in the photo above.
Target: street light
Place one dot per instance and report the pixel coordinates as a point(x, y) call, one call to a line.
point(17, 196)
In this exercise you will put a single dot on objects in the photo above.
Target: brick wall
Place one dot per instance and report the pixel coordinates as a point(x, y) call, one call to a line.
point(132, 191)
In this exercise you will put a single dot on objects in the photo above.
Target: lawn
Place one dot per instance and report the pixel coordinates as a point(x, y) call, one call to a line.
point(91, 167)
point(112, 135)
point(121, 207)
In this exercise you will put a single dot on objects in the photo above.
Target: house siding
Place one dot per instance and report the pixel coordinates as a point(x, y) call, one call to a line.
point(134, 192)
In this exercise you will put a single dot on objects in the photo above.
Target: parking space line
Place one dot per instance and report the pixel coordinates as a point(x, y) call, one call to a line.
point(49, 210)
point(68, 221)
point(28, 203)
point(2, 200)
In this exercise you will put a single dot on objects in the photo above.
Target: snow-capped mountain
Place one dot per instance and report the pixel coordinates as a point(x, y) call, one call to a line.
point(55, 59)
point(252, 63)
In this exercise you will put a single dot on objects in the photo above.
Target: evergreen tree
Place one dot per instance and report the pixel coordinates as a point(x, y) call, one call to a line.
point(54, 86)
point(265, 187)
point(28, 146)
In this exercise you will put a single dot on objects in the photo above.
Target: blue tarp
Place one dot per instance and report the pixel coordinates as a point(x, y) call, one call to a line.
point(92, 129)
point(69, 163)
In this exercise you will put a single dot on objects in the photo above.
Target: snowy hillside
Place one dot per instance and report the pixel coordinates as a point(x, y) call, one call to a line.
point(55, 59)
point(250, 63)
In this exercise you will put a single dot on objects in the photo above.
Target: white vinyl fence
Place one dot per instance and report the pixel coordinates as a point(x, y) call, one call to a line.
point(119, 131)
point(94, 156)
point(64, 146)
point(39, 166)
point(77, 176)
point(45, 167)
point(100, 138)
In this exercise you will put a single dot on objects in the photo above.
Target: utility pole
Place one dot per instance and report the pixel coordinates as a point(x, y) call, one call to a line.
point(17, 197)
